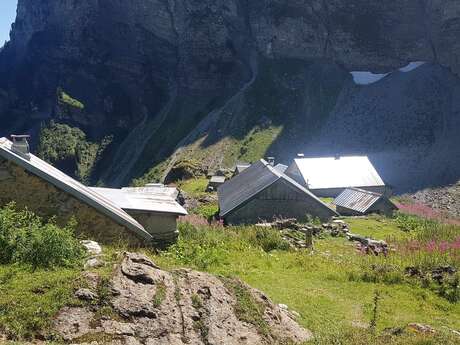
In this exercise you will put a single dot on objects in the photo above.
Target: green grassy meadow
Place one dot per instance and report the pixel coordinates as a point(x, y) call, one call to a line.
point(332, 287)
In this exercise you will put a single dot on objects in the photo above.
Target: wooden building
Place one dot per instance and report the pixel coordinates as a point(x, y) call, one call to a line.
point(262, 193)
point(358, 202)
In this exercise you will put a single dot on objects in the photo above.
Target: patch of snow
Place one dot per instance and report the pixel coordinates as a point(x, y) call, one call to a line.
point(366, 78)
point(411, 66)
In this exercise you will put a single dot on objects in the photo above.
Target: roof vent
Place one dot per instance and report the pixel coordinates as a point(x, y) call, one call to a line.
point(21, 145)
point(271, 161)
point(300, 155)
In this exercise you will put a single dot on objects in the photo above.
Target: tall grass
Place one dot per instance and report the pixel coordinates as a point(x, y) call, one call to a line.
point(26, 239)
point(205, 246)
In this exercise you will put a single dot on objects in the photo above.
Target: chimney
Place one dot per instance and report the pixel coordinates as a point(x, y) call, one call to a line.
point(337, 157)
point(271, 161)
point(21, 145)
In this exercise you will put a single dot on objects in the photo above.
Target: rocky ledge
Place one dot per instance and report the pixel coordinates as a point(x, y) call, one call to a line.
point(142, 304)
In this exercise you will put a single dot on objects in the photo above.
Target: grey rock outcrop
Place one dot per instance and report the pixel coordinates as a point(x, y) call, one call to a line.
point(159, 73)
point(151, 306)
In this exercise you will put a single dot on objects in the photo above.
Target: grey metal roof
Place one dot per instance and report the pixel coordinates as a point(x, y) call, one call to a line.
point(343, 172)
point(357, 199)
point(240, 167)
point(69, 185)
point(281, 167)
point(217, 179)
point(143, 199)
point(252, 181)
point(155, 188)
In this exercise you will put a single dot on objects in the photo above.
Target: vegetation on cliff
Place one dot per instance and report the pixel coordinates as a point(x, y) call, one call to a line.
point(69, 149)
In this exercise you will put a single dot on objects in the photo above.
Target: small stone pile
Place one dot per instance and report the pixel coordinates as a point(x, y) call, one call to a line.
point(438, 274)
point(368, 245)
point(300, 236)
point(336, 228)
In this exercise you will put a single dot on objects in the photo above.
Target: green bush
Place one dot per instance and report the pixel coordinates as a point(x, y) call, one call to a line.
point(208, 211)
point(407, 222)
point(268, 239)
point(26, 239)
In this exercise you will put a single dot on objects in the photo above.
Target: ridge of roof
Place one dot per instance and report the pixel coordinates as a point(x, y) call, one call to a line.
point(138, 200)
point(300, 187)
point(276, 175)
point(71, 186)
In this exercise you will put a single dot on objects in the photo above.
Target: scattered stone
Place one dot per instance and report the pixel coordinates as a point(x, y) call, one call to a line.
point(93, 263)
point(86, 295)
point(92, 279)
point(283, 306)
point(368, 245)
point(419, 328)
point(92, 247)
point(286, 224)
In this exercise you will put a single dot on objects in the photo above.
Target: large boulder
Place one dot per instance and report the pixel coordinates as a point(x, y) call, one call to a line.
point(152, 306)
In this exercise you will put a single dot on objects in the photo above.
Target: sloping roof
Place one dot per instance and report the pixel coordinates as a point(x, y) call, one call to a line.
point(217, 179)
point(252, 181)
point(141, 199)
point(69, 185)
point(281, 167)
point(356, 199)
point(155, 188)
point(343, 172)
point(240, 167)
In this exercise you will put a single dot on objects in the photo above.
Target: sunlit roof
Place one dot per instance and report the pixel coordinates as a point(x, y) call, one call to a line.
point(66, 183)
point(331, 172)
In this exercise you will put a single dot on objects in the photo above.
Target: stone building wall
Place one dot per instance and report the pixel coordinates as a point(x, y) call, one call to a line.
point(43, 198)
point(162, 227)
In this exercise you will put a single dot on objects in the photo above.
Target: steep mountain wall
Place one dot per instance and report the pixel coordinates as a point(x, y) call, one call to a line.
point(165, 76)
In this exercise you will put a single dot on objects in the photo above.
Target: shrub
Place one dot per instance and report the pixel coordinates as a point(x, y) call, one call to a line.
point(25, 238)
point(208, 211)
point(407, 222)
point(268, 239)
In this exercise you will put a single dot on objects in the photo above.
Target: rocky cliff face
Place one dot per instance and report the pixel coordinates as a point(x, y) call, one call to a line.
point(166, 75)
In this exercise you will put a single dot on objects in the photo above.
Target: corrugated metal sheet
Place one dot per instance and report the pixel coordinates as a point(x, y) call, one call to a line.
point(281, 168)
point(244, 186)
point(240, 167)
point(329, 172)
point(157, 189)
point(217, 179)
point(141, 199)
point(252, 181)
point(64, 182)
point(357, 199)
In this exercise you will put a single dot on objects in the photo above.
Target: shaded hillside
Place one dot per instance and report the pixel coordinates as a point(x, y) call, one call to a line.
point(159, 75)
